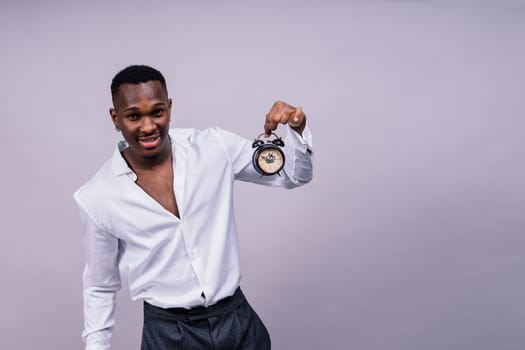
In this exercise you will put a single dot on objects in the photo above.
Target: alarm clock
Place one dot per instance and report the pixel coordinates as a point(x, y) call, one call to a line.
point(268, 156)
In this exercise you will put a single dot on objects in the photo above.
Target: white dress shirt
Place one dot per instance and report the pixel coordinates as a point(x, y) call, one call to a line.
point(169, 261)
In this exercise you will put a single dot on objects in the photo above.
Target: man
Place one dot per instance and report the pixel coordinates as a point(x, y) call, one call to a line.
point(161, 212)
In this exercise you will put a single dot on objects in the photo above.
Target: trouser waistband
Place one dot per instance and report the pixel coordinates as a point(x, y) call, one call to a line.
point(197, 313)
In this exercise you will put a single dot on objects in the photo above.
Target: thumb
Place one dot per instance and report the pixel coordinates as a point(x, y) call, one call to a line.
point(297, 117)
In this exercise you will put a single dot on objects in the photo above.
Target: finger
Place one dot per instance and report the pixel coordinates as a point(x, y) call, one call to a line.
point(267, 131)
point(280, 113)
point(275, 119)
point(267, 126)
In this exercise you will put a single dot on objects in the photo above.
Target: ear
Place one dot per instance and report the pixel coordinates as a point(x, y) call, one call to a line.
point(169, 108)
point(113, 114)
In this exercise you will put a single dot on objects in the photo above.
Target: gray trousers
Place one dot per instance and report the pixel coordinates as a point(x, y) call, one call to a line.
point(231, 324)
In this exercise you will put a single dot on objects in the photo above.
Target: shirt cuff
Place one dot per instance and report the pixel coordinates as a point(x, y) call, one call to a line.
point(304, 142)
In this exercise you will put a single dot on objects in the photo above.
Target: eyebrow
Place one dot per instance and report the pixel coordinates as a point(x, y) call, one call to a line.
point(131, 109)
point(135, 108)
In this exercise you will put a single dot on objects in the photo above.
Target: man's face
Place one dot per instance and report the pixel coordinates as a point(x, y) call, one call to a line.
point(142, 113)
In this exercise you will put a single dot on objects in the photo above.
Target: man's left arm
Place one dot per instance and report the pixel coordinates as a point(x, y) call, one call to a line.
point(298, 168)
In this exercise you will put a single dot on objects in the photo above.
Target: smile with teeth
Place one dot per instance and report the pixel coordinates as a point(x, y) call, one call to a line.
point(149, 141)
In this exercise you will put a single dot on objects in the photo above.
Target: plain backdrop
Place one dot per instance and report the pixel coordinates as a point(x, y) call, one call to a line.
point(410, 236)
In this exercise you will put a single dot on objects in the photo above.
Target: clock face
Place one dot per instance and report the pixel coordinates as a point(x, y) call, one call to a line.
point(270, 160)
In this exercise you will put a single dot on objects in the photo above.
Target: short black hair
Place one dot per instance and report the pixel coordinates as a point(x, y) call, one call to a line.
point(136, 74)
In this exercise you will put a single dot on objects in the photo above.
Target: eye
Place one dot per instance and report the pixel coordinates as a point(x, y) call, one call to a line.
point(133, 116)
point(158, 112)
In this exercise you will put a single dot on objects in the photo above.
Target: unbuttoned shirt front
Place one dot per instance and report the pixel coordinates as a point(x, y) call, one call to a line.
point(170, 261)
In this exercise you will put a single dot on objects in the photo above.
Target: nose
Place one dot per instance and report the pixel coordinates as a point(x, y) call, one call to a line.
point(148, 125)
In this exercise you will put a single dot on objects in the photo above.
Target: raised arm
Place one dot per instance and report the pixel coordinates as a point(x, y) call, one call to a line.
point(298, 169)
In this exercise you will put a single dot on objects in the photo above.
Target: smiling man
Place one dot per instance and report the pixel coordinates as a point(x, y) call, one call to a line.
point(161, 212)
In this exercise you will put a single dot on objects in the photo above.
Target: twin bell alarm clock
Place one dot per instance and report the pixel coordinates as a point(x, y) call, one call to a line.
point(268, 156)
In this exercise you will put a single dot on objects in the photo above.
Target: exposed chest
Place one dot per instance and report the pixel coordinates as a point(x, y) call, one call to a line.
point(159, 186)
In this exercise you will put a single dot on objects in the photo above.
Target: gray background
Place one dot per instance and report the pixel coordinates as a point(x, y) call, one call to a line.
point(411, 235)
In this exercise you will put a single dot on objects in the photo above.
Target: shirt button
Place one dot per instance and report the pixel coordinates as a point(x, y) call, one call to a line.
point(193, 252)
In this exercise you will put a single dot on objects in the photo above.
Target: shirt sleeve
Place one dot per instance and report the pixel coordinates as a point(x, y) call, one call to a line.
point(101, 281)
point(298, 167)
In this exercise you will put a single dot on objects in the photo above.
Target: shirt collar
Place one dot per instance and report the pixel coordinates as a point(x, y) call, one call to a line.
point(179, 137)
point(120, 166)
